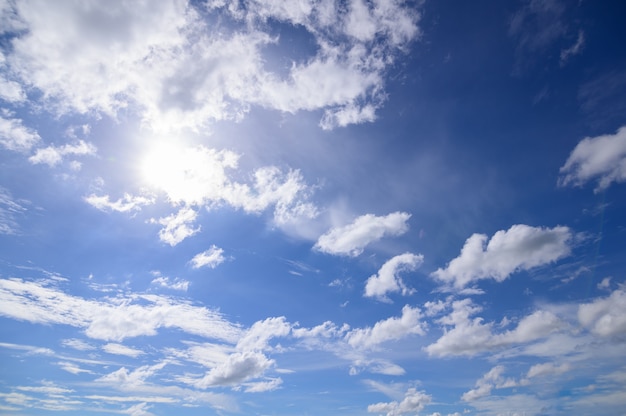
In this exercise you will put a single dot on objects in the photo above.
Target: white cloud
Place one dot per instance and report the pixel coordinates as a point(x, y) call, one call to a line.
point(53, 155)
point(119, 349)
point(11, 91)
point(351, 239)
point(547, 369)
point(470, 336)
point(388, 280)
point(575, 49)
point(263, 386)
point(78, 344)
point(600, 158)
point(9, 209)
point(175, 284)
point(212, 258)
point(259, 334)
point(176, 226)
point(492, 379)
point(414, 401)
point(238, 367)
point(180, 69)
point(521, 247)
point(15, 136)
point(133, 378)
point(605, 316)
point(409, 323)
point(125, 204)
point(110, 319)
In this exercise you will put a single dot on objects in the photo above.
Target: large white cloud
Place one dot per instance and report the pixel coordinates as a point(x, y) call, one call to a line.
point(181, 67)
point(464, 335)
point(351, 239)
point(600, 158)
point(521, 247)
point(388, 280)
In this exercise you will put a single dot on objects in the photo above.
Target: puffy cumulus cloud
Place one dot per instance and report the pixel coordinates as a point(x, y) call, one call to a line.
point(124, 377)
point(181, 69)
point(212, 258)
point(601, 159)
point(409, 323)
point(351, 239)
point(15, 136)
point(176, 226)
point(119, 349)
point(414, 401)
point(110, 319)
point(521, 247)
point(127, 203)
point(605, 316)
point(260, 333)
point(53, 155)
point(468, 336)
point(238, 367)
point(492, 379)
point(388, 280)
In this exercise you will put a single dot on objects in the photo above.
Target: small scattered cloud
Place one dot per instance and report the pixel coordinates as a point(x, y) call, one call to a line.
point(119, 349)
point(351, 239)
point(176, 227)
point(521, 247)
point(387, 280)
point(166, 282)
point(127, 203)
point(605, 316)
point(15, 136)
point(409, 323)
point(211, 258)
point(53, 155)
point(10, 209)
point(573, 50)
point(492, 379)
point(601, 159)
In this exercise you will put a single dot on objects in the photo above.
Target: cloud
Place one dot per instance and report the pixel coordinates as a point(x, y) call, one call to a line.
point(601, 159)
point(492, 379)
point(120, 349)
point(174, 284)
point(259, 334)
point(110, 319)
point(409, 323)
point(414, 401)
point(9, 210)
point(605, 316)
point(575, 49)
point(15, 136)
point(388, 280)
point(180, 66)
point(351, 239)
point(238, 367)
point(78, 344)
point(547, 369)
point(263, 386)
point(470, 336)
point(176, 227)
point(125, 204)
point(53, 155)
point(521, 247)
point(212, 258)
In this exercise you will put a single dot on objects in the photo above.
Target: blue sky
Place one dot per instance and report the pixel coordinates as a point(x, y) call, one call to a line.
point(312, 207)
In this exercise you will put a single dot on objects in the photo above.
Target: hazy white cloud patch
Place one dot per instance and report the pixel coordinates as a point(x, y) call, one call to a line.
point(521, 247)
point(53, 155)
point(263, 386)
point(119, 349)
point(601, 159)
point(351, 239)
point(413, 402)
point(387, 280)
point(605, 316)
point(575, 49)
point(409, 323)
point(211, 258)
point(78, 344)
point(127, 203)
point(173, 284)
point(10, 209)
point(547, 369)
point(15, 136)
point(110, 319)
point(238, 367)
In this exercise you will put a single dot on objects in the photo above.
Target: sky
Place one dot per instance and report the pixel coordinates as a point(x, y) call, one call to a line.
point(347, 207)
